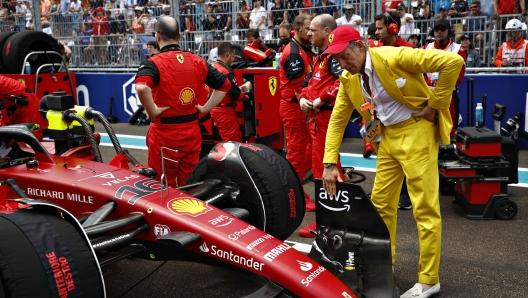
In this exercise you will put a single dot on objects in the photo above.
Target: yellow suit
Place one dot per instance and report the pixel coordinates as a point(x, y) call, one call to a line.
point(409, 148)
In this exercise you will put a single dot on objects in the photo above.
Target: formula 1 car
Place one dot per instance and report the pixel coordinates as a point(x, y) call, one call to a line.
point(64, 214)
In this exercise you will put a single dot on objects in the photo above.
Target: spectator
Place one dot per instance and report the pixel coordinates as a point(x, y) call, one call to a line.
point(112, 23)
point(75, 6)
point(293, 9)
point(132, 8)
point(414, 40)
point(64, 6)
point(242, 19)
point(209, 26)
point(223, 21)
point(100, 27)
point(186, 26)
point(350, 18)
point(136, 24)
point(165, 11)
point(406, 20)
point(459, 9)
point(121, 26)
point(65, 52)
point(148, 21)
point(473, 57)
point(257, 17)
point(12, 25)
point(29, 11)
point(476, 27)
point(420, 11)
point(44, 7)
point(30, 26)
point(513, 52)
point(20, 9)
point(328, 7)
point(276, 17)
point(390, 5)
point(152, 47)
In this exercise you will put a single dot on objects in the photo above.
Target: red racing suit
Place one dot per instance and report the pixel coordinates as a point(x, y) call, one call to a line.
point(177, 79)
point(295, 64)
point(224, 115)
point(18, 113)
point(324, 84)
point(431, 78)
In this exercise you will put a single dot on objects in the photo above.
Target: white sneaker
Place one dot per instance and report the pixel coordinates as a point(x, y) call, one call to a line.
point(417, 291)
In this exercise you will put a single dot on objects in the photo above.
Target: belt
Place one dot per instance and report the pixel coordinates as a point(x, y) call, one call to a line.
point(227, 105)
point(327, 108)
point(179, 119)
point(292, 100)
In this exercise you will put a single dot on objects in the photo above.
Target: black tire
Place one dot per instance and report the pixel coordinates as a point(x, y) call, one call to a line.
point(22, 273)
point(18, 46)
point(506, 209)
point(275, 179)
point(4, 36)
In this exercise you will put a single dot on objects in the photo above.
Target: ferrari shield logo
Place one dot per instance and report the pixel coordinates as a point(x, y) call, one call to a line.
point(179, 57)
point(321, 64)
point(22, 81)
point(188, 206)
point(331, 38)
point(272, 84)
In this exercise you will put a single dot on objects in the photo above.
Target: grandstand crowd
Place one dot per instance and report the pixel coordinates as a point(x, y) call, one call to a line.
point(110, 33)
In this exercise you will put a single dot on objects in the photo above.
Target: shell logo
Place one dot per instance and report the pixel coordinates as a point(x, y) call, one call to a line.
point(331, 38)
point(188, 206)
point(187, 95)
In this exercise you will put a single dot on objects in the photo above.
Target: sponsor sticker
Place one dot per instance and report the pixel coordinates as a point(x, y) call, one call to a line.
point(234, 236)
point(305, 266)
point(342, 196)
point(188, 206)
point(350, 263)
point(312, 276)
point(231, 257)
point(277, 251)
point(221, 151)
point(161, 230)
point(221, 221)
point(272, 84)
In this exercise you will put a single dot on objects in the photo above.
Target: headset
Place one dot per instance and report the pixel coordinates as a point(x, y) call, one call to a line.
point(392, 26)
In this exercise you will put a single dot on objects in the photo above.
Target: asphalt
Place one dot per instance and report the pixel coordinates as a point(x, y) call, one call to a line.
point(480, 258)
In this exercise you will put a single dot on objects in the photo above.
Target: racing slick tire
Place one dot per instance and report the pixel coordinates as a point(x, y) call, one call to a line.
point(4, 36)
point(19, 45)
point(279, 186)
point(43, 255)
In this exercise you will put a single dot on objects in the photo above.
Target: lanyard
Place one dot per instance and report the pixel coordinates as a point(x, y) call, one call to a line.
point(371, 105)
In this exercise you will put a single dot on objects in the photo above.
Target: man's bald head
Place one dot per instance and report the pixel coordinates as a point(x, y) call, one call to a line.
point(168, 28)
point(326, 20)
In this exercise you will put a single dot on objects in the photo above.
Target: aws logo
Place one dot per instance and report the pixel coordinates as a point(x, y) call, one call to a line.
point(272, 84)
point(187, 95)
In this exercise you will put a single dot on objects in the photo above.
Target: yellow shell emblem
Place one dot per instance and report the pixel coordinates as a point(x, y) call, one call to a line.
point(331, 38)
point(272, 84)
point(188, 206)
point(180, 59)
point(187, 95)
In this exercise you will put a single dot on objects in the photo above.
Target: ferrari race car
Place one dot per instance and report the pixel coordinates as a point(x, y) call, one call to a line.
point(65, 215)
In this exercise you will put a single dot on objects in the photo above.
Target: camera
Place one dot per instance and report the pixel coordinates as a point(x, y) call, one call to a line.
point(510, 129)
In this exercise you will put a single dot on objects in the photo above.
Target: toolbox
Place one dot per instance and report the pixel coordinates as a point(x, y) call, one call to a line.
point(478, 144)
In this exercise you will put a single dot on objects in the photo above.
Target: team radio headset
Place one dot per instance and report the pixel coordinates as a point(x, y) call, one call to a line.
point(392, 26)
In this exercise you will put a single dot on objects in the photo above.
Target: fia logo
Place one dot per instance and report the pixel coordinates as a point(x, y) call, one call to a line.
point(161, 230)
point(305, 266)
point(204, 248)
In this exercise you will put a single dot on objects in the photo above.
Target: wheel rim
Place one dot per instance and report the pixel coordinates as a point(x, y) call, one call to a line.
point(506, 209)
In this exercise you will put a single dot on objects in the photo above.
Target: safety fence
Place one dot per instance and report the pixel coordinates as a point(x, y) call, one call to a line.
point(207, 24)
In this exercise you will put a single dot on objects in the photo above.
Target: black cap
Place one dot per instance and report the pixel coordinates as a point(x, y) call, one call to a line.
point(400, 6)
point(442, 22)
point(465, 36)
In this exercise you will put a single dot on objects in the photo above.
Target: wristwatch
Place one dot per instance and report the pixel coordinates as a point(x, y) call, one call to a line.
point(327, 165)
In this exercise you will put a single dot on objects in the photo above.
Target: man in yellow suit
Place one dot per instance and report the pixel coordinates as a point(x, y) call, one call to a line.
point(405, 120)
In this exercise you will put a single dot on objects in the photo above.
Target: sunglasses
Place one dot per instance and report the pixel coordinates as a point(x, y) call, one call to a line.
point(473, 7)
point(442, 29)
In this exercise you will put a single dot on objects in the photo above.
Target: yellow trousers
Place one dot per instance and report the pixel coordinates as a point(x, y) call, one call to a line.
point(410, 149)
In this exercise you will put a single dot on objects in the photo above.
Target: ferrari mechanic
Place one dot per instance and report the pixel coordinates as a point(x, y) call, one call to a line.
point(168, 85)
point(19, 104)
point(224, 115)
point(318, 98)
point(295, 64)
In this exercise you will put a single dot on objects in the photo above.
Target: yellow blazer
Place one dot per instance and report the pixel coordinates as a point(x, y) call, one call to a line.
point(391, 63)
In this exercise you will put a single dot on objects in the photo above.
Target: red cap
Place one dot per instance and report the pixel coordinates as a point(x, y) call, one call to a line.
point(99, 9)
point(339, 39)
